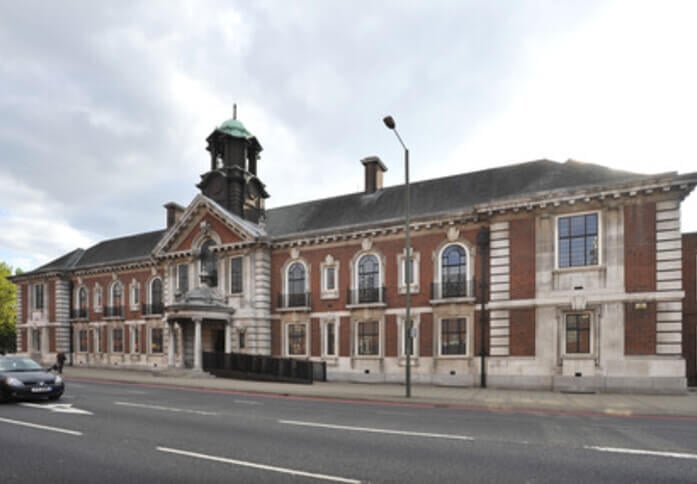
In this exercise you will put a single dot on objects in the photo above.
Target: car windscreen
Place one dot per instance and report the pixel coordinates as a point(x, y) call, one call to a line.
point(18, 364)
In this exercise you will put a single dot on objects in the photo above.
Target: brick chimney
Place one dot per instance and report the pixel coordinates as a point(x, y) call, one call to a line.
point(374, 168)
point(174, 212)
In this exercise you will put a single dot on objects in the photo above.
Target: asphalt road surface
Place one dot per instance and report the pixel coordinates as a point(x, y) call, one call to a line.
point(126, 433)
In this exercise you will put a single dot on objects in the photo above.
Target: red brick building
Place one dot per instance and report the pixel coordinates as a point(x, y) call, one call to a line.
point(581, 271)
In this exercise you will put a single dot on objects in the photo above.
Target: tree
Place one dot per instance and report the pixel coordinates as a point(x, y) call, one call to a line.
point(8, 310)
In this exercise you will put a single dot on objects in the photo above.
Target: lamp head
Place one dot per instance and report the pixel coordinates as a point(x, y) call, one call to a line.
point(389, 122)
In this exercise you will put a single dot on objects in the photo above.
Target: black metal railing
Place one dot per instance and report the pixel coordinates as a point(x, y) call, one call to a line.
point(294, 300)
point(80, 313)
point(260, 367)
point(155, 308)
point(366, 295)
point(113, 311)
point(452, 288)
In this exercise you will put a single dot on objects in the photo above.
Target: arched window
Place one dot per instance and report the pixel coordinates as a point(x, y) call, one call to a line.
point(116, 300)
point(209, 262)
point(82, 298)
point(454, 271)
point(296, 285)
point(368, 279)
point(155, 296)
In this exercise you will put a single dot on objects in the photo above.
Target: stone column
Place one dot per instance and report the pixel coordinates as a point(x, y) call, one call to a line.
point(197, 344)
point(170, 344)
point(228, 336)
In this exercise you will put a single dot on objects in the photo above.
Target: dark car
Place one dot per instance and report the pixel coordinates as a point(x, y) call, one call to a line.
point(23, 378)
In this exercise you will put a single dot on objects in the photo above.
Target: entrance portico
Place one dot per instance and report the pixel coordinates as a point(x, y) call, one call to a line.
point(203, 317)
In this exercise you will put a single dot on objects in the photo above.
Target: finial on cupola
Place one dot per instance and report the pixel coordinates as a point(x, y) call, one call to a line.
point(234, 111)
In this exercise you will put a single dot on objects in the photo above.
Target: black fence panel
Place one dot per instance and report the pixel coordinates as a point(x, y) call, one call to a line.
point(261, 367)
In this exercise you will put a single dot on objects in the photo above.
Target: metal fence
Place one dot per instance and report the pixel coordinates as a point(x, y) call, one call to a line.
point(260, 367)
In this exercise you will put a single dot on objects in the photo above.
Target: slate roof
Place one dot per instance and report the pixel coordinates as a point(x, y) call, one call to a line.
point(441, 195)
point(458, 193)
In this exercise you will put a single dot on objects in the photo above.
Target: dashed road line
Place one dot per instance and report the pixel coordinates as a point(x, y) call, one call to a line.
point(377, 431)
point(40, 427)
point(263, 467)
point(164, 409)
point(656, 453)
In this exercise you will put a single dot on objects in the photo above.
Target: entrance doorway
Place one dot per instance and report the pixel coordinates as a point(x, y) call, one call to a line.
point(219, 340)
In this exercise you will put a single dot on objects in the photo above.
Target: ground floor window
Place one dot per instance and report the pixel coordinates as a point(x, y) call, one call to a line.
point(297, 339)
point(241, 340)
point(330, 339)
point(368, 338)
point(453, 336)
point(156, 339)
point(117, 340)
point(578, 330)
point(82, 341)
point(36, 340)
point(135, 339)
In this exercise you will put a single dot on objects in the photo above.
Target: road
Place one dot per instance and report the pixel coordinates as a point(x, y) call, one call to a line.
point(107, 432)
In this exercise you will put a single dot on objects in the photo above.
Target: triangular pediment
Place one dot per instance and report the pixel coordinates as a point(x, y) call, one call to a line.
point(202, 219)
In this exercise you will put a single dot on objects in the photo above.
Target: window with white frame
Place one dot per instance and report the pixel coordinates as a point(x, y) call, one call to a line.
point(135, 339)
point(578, 240)
point(82, 341)
point(156, 340)
point(135, 295)
point(236, 275)
point(82, 298)
point(116, 294)
point(406, 343)
point(296, 284)
point(117, 340)
point(413, 271)
point(329, 338)
point(98, 298)
point(453, 272)
point(369, 289)
point(182, 278)
point(577, 333)
point(368, 338)
point(297, 339)
point(453, 337)
point(155, 306)
point(38, 297)
point(329, 278)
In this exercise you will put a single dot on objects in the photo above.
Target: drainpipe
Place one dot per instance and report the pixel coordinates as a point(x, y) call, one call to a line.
point(483, 244)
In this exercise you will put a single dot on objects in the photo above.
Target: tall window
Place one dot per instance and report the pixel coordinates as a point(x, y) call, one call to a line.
point(183, 278)
point(454, 271)
point(156, 296)
point(236, 275)
point(82, 298)
point(453, 336)
point(578, 240)
point(330, 339)
point(135, 294)
point(156, 339)
point(82, 341)
point(209, 262)
point(38, 297)
point(117, 340)
point(296, 285)
point(368, 279)
point(330, 278)
point(116, 294)
point(368, 338)
point(297, 339)
point(98, 298)
point(578, 328)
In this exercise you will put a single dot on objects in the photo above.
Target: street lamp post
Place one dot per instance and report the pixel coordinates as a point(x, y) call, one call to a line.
point(408, 336)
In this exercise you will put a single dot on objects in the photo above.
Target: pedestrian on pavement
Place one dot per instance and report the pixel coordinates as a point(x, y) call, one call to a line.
point(60, 361)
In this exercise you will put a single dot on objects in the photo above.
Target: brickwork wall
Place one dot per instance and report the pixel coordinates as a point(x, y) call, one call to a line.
point(640, 330)
point(275, 338)
point(345, 337)
point(522, 327)
point(640, 247)
point(689, 305)
point(426, 336)
point(315, 337)
point(227, 236)
point(522, 259)
point(391, 336)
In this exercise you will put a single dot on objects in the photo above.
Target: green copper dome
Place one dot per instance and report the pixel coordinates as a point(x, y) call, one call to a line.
point(235, 128)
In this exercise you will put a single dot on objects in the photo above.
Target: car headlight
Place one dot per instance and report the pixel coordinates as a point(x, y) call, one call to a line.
point(13, 382)
point(59, 380)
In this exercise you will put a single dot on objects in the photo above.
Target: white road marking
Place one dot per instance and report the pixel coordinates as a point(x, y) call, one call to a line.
point(164, 409)
point(40, 427)
point(263, 467)
point(377, 431)
point(247, 402)
point(676, 455)
point(58, 407)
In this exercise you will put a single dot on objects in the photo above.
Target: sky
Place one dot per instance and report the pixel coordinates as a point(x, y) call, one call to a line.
point(105, 106)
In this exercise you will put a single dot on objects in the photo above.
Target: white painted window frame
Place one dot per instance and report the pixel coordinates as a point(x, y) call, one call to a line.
point(286, 333)
point(600, 263)
point(469, 337)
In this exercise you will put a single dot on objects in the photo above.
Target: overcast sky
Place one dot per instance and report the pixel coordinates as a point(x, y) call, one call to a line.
point(105, 106)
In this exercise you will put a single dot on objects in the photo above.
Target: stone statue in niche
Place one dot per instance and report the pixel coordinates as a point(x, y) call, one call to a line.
point(209, 265)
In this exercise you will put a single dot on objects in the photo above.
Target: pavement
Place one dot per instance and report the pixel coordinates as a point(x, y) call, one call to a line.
point(528, 401)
